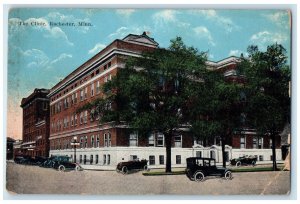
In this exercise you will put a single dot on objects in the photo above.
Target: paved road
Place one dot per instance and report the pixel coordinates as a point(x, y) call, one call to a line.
point(35, 180)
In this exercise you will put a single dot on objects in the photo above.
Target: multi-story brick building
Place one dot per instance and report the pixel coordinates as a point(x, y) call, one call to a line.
point(106, 144)
point(36, 123)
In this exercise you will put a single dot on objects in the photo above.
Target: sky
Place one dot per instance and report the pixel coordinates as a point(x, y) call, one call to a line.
point(40, 54)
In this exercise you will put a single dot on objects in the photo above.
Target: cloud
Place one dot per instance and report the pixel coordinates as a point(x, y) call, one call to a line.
point(165, 16)
point(96, 48)
point(280, 18)
point(125, 12)
point(221, 21)
point(45, 29)
point(35, 58)
point(203, 32)
point(264, 38)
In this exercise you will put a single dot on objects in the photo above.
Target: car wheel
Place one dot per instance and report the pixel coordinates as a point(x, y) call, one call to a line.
point(238, 164)
point(146, 168)
point(199, 176)
point(228, 175)
point(77, 168)
point(253, 163)
point(124, 170)
point(61, 168)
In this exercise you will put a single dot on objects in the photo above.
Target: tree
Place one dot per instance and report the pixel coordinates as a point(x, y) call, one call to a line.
point(267, 84)
point(153, 92)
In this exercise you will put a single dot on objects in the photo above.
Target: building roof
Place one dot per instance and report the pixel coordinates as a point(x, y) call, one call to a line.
point(36, 93)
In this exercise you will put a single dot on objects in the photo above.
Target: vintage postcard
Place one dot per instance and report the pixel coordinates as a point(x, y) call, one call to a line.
point(149, 102)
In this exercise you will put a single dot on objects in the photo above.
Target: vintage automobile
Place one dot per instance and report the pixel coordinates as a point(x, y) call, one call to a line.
point(198, 168)
point(24, 159)
point(245, 160)
point(124, 167)
point(62, 163)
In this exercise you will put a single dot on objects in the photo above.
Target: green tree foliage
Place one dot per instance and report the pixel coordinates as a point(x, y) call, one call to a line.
point(267, 85)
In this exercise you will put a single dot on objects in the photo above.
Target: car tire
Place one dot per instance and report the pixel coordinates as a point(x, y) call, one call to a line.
point(124, 170)
point(238, 164)
point(146, 168)
point(77, 168)
point(61, 168)
point(199, 176)
point(228, 175)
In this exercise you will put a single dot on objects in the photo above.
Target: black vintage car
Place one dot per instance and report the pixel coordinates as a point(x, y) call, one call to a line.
point(124, 167)
point(246, 160)
point(62, 163)
point(198, 168)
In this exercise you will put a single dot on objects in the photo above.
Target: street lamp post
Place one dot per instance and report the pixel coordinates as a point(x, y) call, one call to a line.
point(74, 143)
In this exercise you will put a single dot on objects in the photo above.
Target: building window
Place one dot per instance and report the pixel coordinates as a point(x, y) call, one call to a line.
point(105, 79)
point(151, 160)
point(133, 157)
point(92, 115)
point(271, 143)
point(260, 143)
point(161, 159)
point(91, 159)
point(72, 120)
point(72, 99)
point(84, 159)
point(92, 141)
point(80, 159)
point(242, 142)
point(198, 153)
point(160, 140)
point(178, 159)
point(75, 119)
point(98, 141)
point(213, 154)
point(261, 157)
point(81, 142)
point(254, 143)
point(178, 141)
point(85, 117)
point(108, 159)
point(81, 118)
point(104, 159)
point(97, 159)
point(81, 95)
point(75, 99)
point(98, 87)
point(85, 92)
point(85, 142)
point(133, 139)
point(92, 90)
point(151, 140)
point(107, 140)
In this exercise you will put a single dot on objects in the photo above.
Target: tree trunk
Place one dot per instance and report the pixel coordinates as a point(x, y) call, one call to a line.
point(223, 151)
point(273, 151)
point(168, 140)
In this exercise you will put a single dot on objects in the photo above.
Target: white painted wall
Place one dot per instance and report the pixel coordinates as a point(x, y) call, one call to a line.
point(118, 154)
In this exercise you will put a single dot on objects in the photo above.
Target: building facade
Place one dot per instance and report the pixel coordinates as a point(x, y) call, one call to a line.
point(36, 123)
point(10, 148)
point(106, 144)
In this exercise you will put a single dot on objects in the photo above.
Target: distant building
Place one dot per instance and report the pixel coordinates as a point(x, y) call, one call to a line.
point(9, 148)
point(18, 147)
point(107, 144)
point(36, 123)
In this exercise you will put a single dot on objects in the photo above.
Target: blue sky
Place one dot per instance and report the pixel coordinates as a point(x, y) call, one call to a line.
point(39, 56)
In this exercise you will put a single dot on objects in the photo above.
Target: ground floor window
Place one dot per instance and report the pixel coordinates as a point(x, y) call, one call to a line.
point(151, 160)
point(178, 159)
point(91, 159)
point(97, 159)
point(261, 157)
point(80, 159)
point(213, 154)
point(104, 159)
point(84, 159)
point(108, 159)
point(198, 153)
point(161, 159)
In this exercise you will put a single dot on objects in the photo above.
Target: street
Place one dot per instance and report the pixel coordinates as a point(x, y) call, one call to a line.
point(23, 179)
